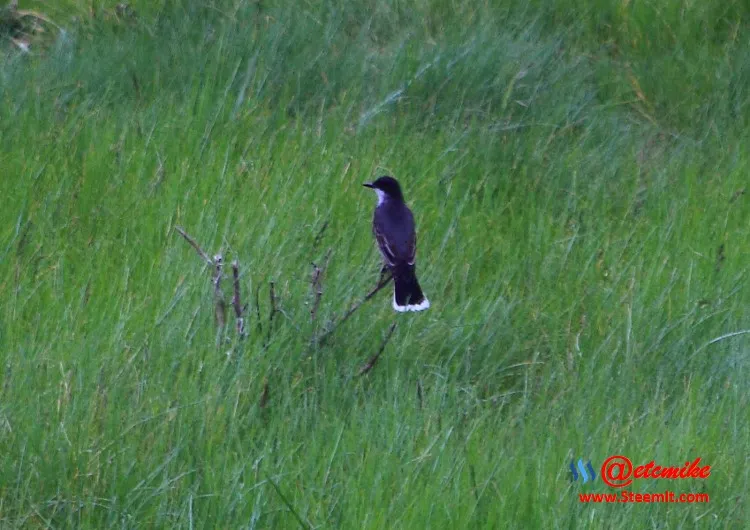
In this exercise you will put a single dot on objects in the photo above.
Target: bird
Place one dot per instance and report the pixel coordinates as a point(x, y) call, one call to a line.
point(394, 231)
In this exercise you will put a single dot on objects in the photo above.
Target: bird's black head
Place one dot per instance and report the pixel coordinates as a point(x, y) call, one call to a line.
point(387, 185)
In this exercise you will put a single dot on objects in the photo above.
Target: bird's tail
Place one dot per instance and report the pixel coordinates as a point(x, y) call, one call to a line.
point(407, 295)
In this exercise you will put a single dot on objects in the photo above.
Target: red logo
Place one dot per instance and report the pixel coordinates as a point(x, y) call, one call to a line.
point(618, 472)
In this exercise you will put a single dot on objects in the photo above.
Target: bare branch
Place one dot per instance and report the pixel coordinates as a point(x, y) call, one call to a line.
point(317, 285)
point(382, 283)
point(374, 359)
point(264, 395)
point(238, 309)
point(257, 309)
point(195, 245)
point(220, 310)
point(274, 310)
point(221, 306)
point(319, 235)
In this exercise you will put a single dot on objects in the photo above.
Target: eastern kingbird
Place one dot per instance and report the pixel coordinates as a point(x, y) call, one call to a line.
point(393, 226)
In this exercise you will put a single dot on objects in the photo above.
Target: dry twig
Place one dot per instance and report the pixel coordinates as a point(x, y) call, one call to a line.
point(317, 285)
point(220, 309)
point(273, 311)
point(264, 395)
point(195, 245)
point(221, 306)
point(374, 359)
point(238, 309)
point(257, 310)
point(382, 283)
point(319, 235)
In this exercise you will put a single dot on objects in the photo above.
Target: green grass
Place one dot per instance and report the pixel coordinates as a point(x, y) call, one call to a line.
point(577, 173)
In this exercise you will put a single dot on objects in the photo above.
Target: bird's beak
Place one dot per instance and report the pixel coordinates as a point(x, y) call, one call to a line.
point(368, 185)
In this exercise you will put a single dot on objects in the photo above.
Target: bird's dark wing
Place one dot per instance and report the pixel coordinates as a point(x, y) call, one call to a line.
point(393, 228)
point(388, 255)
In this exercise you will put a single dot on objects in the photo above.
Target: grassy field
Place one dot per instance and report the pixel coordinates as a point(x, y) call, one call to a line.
point(577, 172)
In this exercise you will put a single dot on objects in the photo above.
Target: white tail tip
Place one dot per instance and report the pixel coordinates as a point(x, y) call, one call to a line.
point(424, 304)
